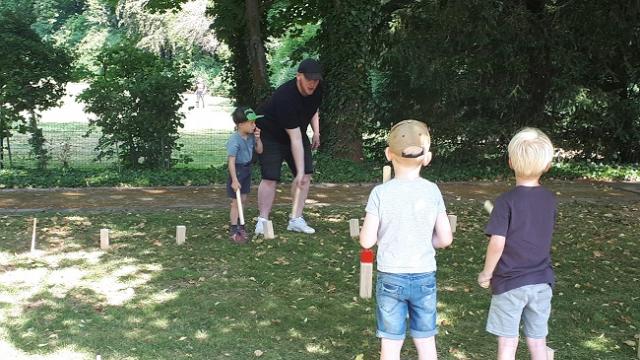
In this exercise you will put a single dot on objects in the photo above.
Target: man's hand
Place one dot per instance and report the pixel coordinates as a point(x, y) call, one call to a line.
point(484, 279)
point(235, 185)
point(315, 141)
point(256, 133)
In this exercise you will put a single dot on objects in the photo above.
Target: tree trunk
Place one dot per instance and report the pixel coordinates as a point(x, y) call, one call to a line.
point(345, 55)
point(256, 51)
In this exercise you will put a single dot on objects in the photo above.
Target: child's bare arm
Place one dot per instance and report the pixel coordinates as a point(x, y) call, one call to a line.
point(256, 135)
point(494, 252)
point(235, 184)
point(369, 231)
point(442, 236)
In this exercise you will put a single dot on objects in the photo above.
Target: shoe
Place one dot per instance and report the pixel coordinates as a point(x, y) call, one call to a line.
point(260, 226)
point(298, 224)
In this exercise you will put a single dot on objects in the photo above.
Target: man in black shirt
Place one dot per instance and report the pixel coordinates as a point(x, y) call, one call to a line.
point(287, 115)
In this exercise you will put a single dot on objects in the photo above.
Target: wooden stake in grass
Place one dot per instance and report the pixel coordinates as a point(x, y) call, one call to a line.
point(386, 173)
point(267, 226)
point(354, 228)
point(104, 239)
point(488, 206)
point(33, 236)
point(181, 234)
point(453, 221)
point(366, 273)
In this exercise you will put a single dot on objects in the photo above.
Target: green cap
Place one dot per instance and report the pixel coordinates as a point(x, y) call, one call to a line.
point(251, 115)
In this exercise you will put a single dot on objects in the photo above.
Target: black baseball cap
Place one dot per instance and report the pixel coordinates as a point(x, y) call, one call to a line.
point(311, 69)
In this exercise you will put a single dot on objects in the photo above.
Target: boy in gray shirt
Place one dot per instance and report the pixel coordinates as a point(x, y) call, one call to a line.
point(240, 148)
point(407, 219)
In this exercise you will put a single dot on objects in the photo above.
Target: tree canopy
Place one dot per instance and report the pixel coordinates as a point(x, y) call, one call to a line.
point(475, 71)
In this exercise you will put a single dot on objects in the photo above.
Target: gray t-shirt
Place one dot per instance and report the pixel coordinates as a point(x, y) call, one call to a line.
point(240, 148)
point(407, 210)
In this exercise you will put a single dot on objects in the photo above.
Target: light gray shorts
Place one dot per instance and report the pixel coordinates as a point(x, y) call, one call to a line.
point(532, 303)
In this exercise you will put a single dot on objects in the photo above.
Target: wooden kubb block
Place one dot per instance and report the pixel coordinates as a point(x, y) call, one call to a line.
point(181, 234)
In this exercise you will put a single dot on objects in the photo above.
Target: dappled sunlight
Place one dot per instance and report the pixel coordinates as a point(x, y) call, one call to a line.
point(316, 349)
point(294, 333)
point(8, 351)
point(73, 194)
point(161, 323)
point(201, 335)
point(154, 191)
point(599, 343)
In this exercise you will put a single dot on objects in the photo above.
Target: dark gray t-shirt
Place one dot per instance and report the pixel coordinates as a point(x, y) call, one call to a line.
point(525, 216)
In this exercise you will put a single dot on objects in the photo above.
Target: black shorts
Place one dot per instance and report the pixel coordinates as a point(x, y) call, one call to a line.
point(243, 173)
point(274, 153)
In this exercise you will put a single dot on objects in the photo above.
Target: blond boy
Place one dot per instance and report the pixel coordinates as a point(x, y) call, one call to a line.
point(518, 260)
point(407, 219)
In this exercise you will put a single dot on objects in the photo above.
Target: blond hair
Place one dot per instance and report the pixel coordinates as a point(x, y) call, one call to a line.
point(530, 152)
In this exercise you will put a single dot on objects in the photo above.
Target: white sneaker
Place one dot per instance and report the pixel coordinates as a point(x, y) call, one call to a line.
point(260, 226)
point(298, 224)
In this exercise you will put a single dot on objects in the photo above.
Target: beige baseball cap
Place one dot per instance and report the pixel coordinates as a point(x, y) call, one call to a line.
point(408, 138)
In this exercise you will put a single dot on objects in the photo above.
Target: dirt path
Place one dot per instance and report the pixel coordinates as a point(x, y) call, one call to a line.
point(139, 199)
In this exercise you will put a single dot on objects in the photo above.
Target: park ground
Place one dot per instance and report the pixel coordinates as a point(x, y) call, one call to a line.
point(293, 297)
point(203, 197)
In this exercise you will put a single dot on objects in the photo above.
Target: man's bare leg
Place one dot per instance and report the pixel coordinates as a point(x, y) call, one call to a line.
point(304, 192)
point(266, 196)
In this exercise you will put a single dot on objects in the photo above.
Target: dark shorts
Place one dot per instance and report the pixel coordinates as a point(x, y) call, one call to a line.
point(274, 153)
point(243, 172)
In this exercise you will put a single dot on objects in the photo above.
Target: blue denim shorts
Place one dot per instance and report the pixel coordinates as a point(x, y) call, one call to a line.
point(530, 303)
point(399, 295)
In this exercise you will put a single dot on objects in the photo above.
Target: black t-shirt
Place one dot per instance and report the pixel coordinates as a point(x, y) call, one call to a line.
point(525, 216)
point(287, 109)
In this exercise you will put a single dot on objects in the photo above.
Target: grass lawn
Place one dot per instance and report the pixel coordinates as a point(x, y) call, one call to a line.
point(294, 297)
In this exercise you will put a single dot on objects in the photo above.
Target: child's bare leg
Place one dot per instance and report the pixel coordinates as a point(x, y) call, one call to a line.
point(537, 348)
point(507, 347)
point(233, 212)
point(390, 349)
point(426, 348)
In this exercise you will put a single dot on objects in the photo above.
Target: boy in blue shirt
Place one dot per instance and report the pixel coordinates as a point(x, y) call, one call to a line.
point(240, 148)
point(518, 261)
point(407, 219)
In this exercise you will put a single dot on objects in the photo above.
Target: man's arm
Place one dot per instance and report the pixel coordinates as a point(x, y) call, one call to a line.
point(494, 252)
point(297, 151)
point(315, 126)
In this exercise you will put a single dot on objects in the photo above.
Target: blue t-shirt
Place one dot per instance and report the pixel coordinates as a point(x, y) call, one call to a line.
point(241, 148)
point(525, 216)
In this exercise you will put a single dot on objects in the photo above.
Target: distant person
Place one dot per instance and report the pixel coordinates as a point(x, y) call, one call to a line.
point(200, 90)
point(287, 115)
point(518, 261)
point(407, 219)
point(240, 149)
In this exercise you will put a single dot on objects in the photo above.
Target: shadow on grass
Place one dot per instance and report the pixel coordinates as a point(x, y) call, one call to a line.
point(294, 297)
